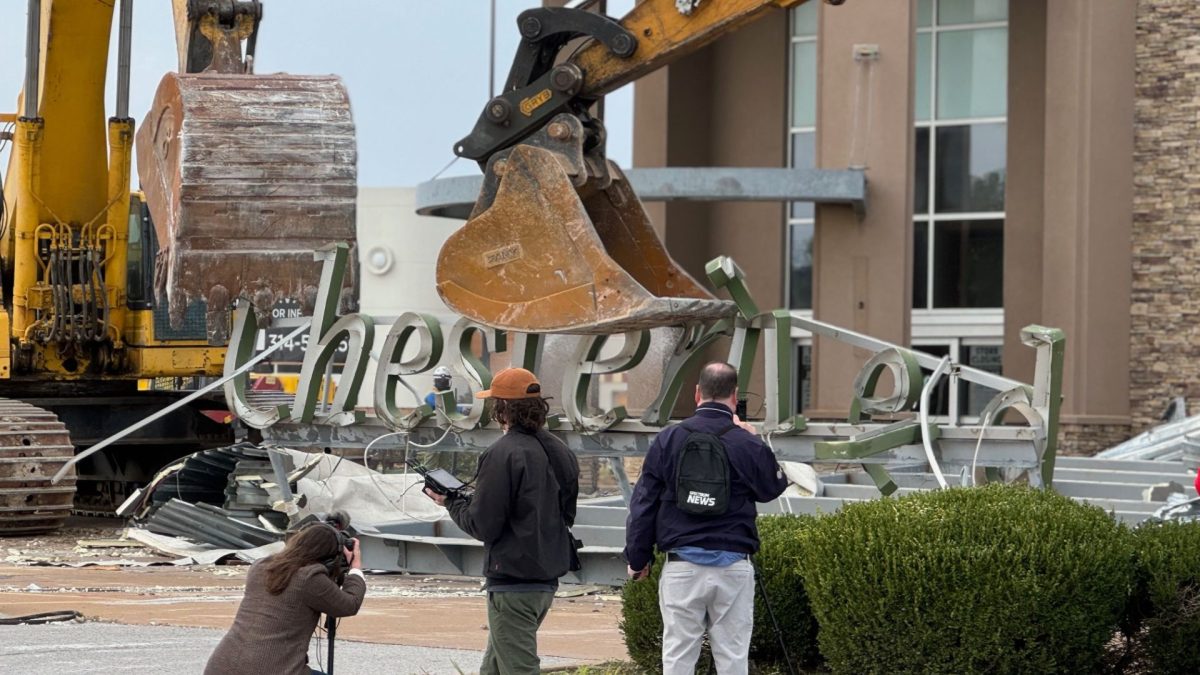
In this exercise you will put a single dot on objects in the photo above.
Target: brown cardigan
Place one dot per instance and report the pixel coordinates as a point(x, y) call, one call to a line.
point(270, 633)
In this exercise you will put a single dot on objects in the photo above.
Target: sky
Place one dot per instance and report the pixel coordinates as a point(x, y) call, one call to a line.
point(416, 71)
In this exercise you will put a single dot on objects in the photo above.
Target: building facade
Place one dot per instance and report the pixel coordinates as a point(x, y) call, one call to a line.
point(1027, 162)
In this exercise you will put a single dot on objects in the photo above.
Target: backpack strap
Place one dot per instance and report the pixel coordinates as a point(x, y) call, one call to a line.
point(558, 474)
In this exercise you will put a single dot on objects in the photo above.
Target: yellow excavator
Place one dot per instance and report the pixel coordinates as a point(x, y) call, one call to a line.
point(557, 240)
point(244, 176)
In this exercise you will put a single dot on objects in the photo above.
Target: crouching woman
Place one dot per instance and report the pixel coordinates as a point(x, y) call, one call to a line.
point(285, 596)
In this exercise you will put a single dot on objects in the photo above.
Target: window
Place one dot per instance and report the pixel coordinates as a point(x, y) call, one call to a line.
point(802, 134)
point(966, 401)
point(961, 136)
point(802, 154)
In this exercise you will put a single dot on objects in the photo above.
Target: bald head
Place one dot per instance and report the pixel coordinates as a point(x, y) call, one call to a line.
point(718, 382)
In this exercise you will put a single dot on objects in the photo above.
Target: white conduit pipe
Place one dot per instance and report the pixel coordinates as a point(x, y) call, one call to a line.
point(925, 391)
point(176, 405)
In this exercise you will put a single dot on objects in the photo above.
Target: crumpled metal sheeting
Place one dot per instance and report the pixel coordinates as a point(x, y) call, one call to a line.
point(188, 553)
point(1166, 442)
point(205, 474)
point(208, 524)
point(1179, 508)
point(247, 495)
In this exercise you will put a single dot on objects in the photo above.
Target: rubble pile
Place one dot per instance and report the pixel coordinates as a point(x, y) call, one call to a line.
point(239, 501)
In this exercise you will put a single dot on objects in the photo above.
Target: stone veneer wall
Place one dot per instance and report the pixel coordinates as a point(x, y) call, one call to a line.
point(1088, 439)
point(1165, 307)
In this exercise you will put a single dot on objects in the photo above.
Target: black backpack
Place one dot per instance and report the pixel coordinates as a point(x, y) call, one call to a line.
point(702, 474)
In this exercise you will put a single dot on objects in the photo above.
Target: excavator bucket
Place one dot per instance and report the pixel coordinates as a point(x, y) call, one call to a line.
point(541, 259)
point(245, 176)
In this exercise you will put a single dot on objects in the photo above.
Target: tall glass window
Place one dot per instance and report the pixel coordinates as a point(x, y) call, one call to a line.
point(961, 109)
point(802, 132)
point(802, 154)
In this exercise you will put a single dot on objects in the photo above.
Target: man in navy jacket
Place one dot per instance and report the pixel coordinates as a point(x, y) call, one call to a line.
point(708, 580)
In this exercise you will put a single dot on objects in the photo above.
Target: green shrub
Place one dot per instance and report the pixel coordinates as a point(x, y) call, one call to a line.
point(996, 579)
point(641, 621)
point(778, 563)
point(1165, 616)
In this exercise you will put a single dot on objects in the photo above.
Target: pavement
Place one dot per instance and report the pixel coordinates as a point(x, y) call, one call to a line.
point(81, 648)
point(146, 616)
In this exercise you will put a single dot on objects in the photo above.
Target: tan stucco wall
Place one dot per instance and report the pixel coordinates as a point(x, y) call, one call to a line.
point(863, 266)
point(1069, 199)
point(724, 105)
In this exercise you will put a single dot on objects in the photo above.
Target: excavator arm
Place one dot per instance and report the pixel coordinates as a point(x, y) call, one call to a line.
point(557, 240)
point(667, 31)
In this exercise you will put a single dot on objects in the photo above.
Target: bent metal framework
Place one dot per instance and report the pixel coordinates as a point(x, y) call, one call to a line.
point(415, 343)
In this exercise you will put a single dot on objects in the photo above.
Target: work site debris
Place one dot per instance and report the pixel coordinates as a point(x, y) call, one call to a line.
point(240, 500)
point(109, 543)
point(1173, 441)
point(1179, 507)
point(188, 553)
point(208, 524)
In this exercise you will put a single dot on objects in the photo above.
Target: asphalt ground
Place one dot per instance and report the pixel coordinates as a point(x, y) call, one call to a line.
point(70, 648)
point(144, 616)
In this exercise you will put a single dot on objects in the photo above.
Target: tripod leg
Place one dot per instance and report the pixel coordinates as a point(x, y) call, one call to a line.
point(762, 589)
point(331, 633)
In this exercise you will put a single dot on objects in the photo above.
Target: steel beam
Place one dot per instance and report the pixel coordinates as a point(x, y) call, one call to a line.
point(455, 197)
point(1003, 447)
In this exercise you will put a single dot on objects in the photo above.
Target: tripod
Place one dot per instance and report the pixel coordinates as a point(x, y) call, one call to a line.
point(787, 660)
point(331, 634)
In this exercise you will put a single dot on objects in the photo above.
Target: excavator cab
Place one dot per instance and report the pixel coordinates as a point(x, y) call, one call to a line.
point(245, 174)
point(558, 241)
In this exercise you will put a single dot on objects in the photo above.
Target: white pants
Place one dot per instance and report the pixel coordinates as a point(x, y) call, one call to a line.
point(697, 598)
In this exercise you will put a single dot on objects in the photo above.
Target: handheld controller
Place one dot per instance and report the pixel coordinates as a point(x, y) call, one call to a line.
point(439, 481)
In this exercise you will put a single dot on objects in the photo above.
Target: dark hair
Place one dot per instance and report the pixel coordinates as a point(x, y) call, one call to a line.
point(718, 381)
point(316, 543)
point(526, 414)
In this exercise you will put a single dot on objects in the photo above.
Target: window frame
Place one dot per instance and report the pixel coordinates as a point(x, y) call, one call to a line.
point(930, 217)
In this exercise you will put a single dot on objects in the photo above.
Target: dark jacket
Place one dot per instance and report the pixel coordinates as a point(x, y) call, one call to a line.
point(754, 476)
point(270, 633)
point(522, 507)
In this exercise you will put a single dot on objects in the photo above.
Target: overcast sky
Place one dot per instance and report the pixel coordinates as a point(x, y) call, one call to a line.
point(416, 70)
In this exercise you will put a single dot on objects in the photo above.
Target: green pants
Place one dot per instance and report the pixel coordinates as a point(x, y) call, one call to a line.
point(513, 622)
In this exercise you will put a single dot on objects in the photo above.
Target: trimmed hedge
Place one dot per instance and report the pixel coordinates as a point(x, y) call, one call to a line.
point(996, 579)
point(641, 622)
point(1165, 614)
point(778, 563)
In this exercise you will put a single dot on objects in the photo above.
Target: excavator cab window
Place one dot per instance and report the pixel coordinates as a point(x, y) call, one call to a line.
point(142, 246)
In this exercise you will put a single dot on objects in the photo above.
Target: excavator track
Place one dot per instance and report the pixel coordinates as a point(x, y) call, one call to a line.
point(34, 445)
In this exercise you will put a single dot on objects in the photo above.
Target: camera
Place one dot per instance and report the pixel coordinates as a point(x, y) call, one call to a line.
point(340, 522)
point(339, 562)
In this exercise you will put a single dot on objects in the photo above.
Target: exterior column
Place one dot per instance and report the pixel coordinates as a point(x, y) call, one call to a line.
point(1088, 182)
point(863, 265)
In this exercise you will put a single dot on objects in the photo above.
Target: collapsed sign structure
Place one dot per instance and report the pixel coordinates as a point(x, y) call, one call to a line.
point(415, 343)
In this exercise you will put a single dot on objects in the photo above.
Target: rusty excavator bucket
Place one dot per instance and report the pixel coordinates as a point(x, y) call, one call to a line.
point(552, 248)
point(245, 175)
